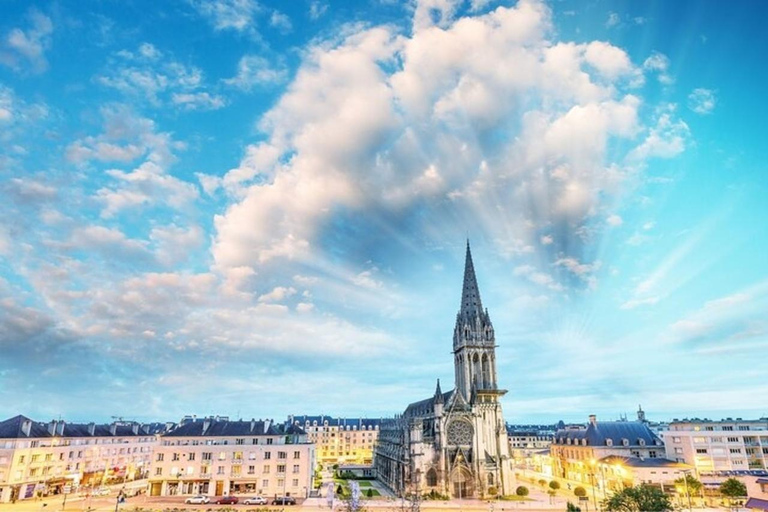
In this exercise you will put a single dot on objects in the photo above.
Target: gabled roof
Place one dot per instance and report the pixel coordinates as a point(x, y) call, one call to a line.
point(598, 434)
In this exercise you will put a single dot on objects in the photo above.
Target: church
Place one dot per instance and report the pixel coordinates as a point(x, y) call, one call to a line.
point(453, 443)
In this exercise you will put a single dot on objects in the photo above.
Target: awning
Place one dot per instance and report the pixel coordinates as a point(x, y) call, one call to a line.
point(757, 504)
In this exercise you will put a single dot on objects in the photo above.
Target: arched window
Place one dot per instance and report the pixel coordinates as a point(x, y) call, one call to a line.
point(490, 478)
point(431, 478)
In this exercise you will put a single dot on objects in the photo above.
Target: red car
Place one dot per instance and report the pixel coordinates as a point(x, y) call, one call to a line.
point(226, 500)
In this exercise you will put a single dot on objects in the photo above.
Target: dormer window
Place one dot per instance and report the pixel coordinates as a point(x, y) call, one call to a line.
point(641, 441)
point(609, 442)
point(625, 442)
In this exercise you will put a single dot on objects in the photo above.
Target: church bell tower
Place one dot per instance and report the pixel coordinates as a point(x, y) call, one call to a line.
point(474, 342)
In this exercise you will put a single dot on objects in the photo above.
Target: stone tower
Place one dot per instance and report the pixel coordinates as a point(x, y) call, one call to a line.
point(474, 342)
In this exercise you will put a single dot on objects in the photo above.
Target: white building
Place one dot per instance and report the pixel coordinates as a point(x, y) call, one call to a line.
point(218, 457)
point(717, 446)
point(39, 458)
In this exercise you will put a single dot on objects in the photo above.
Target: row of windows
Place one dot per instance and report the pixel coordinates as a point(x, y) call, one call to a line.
point(221, 470)
point(223, 455)
point(209, 442)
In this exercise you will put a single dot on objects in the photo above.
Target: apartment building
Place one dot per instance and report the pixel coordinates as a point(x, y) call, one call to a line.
point(38, 458)
point(716, 446)
point(218, 457)
point(526, 440)
point(340, 440)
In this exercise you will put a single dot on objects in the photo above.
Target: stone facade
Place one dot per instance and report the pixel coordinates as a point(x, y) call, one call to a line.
point(340, 440)
point(454, 443)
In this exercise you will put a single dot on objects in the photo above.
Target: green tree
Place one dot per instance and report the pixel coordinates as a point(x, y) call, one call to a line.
point(369, 493)
point(570, 507)
point(694, 486)
point(554, 485)
point(542, 482)
point(522, 491)
point(733, 488)
point(580, 492)
point(643, 498)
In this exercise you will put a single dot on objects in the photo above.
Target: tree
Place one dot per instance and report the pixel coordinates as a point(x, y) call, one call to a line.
point(733, 488)
point(643, 498)
point(542, 482)
point(570, 507)
point(522, 491)
point(694, 486)
point(369, 493)
point(580, 492)
point(554, 485)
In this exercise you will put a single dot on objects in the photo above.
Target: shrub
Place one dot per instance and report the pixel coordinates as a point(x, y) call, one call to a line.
point(369, 493)
point(522, 491)
point(542, 482)
point(554, 485)
point(580, 492)
point(492, 491)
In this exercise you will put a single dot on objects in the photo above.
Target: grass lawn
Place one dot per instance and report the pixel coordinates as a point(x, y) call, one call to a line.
point(515, 497)
point(363, 483)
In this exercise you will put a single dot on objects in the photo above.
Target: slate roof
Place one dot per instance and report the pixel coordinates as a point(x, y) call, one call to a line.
point(637, 462)
point(226, 428)
point(336, 422)
point(597, 434)
point(12, 429)
point(428, 405)
point(757, 504)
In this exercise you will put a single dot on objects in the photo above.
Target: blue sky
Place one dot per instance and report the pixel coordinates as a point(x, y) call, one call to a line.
point(259, 208)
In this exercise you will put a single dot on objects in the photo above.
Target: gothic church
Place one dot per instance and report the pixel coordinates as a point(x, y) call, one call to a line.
point(454, 443)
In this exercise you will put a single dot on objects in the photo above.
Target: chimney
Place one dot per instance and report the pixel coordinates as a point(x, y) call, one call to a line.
point(91, 429)
point(52, 427)
point(593, 420)
point(60, 428)
point(113, 428)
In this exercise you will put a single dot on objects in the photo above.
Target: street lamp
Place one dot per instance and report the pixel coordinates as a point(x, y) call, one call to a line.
point(592, 480)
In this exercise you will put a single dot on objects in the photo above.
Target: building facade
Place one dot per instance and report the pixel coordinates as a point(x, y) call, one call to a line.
point(454, 443)
point(218, 457)
point(717, 446)
point(612, 454)
point(39, 458)
point(340, 440)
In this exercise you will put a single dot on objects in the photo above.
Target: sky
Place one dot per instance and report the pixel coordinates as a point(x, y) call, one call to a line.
point(258, 208)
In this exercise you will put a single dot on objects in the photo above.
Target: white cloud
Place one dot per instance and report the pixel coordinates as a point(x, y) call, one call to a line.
point(198, 101)
point(29, 44)
point(539, 278)
point(175, 243)
point(666, 140)
point(254, 70)
point(235, 15)
point(702, 101)
point(281, 22)
point(659, 63)
point(278, 294)
point(145, 76)
point(634, 303)
point(317, 8)
point(613, 20)
point(614, 220)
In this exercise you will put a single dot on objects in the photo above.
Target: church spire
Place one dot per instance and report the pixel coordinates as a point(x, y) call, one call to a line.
point(471, 305)
point(438, 393)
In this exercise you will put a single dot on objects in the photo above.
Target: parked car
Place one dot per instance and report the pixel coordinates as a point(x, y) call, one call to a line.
point(256, 500)
point(101, 491)
point(197, 500)
point(284, 500)
point(226, 500)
